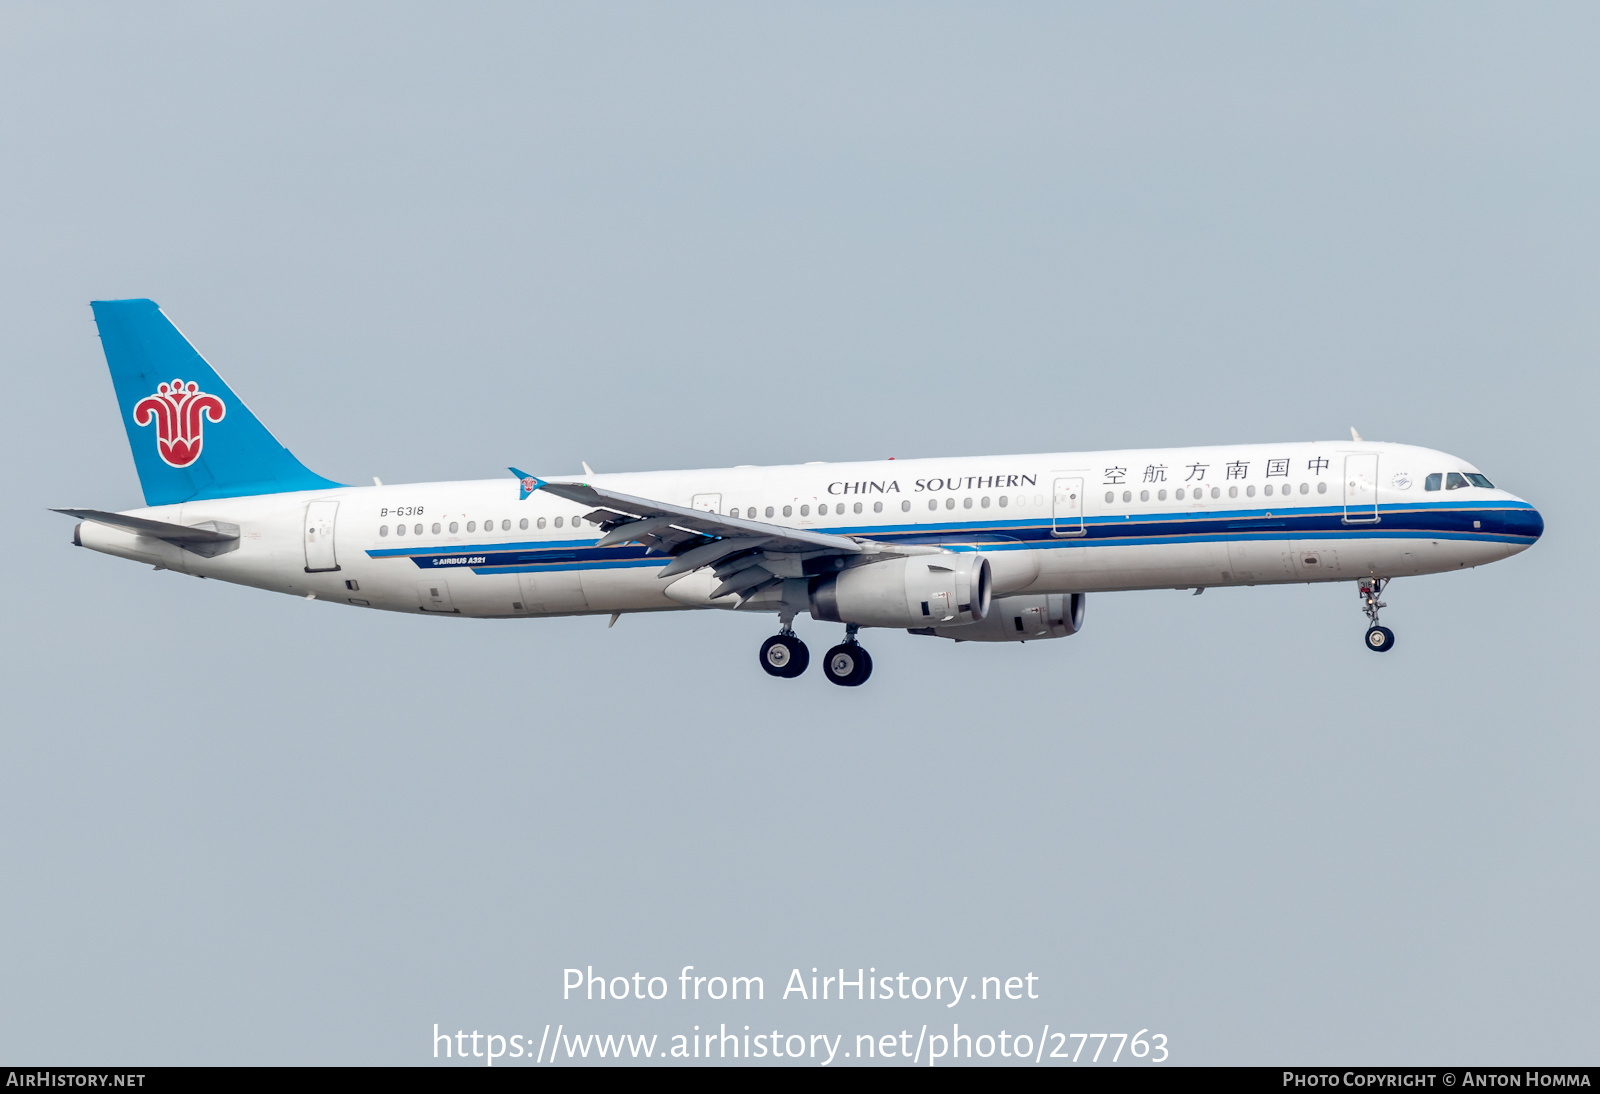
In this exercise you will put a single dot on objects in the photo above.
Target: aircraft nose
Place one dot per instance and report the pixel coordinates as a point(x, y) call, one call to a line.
point(1521, 522)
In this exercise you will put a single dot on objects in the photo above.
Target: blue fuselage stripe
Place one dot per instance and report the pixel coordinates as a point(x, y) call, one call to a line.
point(1504, 522)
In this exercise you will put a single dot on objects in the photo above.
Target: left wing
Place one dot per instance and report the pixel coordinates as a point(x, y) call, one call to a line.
point(746, 555)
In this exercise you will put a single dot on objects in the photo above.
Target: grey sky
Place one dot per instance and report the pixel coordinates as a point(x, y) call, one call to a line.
point(429, 242)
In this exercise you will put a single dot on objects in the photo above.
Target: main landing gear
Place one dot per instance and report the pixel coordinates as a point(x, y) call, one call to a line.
point(847, 664)
point(1379, 639)
point(784, 655)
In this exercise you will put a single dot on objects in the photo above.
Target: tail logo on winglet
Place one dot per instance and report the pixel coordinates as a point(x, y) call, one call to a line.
point(179, 411)
point(528, 485)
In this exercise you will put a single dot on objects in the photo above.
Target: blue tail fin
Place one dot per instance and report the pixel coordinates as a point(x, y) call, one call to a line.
point(192, 437)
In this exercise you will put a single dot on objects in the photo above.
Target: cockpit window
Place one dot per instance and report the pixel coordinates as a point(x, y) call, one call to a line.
point(1434, 481)
point(1454, 481)
point(1480, 480)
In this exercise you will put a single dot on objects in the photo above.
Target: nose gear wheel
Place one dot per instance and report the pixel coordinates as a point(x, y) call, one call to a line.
point(1379, 639)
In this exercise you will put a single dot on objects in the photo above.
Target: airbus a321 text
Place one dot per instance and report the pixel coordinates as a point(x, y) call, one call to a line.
point(979, 549)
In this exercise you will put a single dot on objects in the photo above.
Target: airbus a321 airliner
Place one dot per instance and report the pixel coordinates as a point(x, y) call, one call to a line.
point(978, 549)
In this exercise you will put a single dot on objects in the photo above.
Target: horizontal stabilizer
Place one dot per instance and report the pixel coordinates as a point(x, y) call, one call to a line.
point(210, 538)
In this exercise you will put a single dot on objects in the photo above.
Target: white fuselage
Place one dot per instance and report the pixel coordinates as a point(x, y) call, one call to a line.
point(1053, 523)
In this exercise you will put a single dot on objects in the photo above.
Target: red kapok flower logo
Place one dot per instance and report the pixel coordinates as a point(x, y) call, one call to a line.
point(179, 411)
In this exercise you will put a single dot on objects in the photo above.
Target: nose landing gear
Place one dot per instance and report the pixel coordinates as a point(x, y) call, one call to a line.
point(784, 655)
point(1379, 639)
point(847, 664)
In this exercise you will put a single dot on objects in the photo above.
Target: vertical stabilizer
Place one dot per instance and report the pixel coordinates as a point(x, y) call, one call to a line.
point(191, 436)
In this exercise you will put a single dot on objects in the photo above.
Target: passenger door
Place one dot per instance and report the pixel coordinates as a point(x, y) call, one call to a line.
point(1068, 511)
point(320, 556)
point(1361, 488)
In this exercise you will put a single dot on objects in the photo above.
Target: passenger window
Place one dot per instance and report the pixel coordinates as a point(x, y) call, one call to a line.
point(1305, 488)
point(949, 503)
point(416, 529)
point(472, 525)
point(383, 529)
point(905, 507)
point(1111, 496)
point(1233, 491)
point(1433, 481)
point(1216, 493)
point(1127, 495)
point(985, 502)
point(788, 510)
point(1480, 480)
point(399, 529)
point(1144, 495)
point(858, 507)
point(1322, 487)
point(435, 529)
point(1267, 490)
point(1003, 499)
point(522, 525)
point(454, 527)
point(1161, 495)
point(769, 511)
point(505, 526)
point(805, 510)
point(1250, 491)
point(877, 507)
point(558, 522)
point(966, 503)
point(1178, 494)
point(541, 525)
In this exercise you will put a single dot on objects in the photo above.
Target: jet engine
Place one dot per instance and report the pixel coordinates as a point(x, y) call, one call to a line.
point(945, 590)
point(1019, 619)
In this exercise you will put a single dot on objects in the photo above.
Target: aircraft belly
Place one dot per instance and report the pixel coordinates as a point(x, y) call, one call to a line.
point(1013, 571)
point(626, 589)
point(1136, 566)
point(483, 596)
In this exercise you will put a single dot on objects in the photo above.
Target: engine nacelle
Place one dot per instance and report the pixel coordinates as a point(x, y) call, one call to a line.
point(1019, 619)
point(946, 590)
